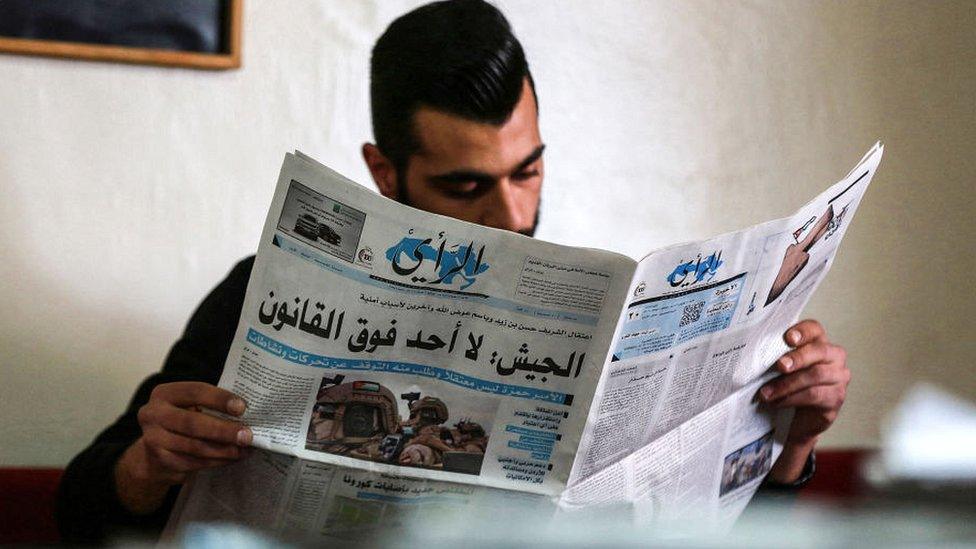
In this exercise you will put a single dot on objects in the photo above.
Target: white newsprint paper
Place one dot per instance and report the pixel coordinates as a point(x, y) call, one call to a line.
point(401, 357)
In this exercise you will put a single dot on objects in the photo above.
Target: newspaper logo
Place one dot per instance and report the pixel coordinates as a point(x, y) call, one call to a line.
point(365, 255)
point(454, 265)
point(701, 269)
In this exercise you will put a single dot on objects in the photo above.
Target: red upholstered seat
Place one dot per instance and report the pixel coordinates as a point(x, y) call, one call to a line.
point(27, 505)
point(839, 476)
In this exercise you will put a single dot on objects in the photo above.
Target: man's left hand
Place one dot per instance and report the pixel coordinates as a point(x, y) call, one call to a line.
point(814, 381)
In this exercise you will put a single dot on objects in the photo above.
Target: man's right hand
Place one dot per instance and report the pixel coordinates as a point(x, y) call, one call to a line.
point(177, 439)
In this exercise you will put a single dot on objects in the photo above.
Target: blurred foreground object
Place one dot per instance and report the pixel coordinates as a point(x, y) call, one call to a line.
point(930, 439)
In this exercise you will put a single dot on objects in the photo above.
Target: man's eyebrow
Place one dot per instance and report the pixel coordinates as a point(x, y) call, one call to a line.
point(535, 155)
point(463, 176)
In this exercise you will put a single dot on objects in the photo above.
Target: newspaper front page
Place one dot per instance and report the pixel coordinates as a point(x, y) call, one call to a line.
point(384, 345)
point(377, 336)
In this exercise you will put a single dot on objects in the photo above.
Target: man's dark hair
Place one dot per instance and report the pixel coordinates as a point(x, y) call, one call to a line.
point(455, 56)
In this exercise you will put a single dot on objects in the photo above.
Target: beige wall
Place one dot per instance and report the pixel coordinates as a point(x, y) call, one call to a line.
point(126, 192)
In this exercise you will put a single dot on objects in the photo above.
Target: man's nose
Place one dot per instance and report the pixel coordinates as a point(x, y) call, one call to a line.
point(504, 211)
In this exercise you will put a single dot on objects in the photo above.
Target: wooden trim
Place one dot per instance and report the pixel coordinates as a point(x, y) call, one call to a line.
point(235, 22)
point(143, 56)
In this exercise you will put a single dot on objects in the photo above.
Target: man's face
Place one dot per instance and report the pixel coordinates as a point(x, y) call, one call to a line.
point(491, 175)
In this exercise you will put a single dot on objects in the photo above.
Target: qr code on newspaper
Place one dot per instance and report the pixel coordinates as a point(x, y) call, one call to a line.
point(691, 313)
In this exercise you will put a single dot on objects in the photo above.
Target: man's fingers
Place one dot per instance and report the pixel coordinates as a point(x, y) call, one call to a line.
point(187, 394)
point(823, 373)
point(803, 357)
point(804, 331)
point(200, 425)
point(163, 439)
point(182, 463)
point(823, 397)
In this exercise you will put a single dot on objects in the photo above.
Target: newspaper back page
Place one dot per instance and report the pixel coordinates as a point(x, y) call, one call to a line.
point(676, 429)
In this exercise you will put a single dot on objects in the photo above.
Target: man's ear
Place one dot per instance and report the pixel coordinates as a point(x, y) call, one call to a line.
point(383, 172)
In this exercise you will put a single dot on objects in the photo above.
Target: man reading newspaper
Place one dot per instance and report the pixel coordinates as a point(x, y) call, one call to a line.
point(455, 120)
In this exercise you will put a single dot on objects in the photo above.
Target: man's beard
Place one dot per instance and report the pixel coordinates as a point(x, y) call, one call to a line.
point(404, 198)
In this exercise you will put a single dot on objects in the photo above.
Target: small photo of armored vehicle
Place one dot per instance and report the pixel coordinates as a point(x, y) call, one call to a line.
point(307, 225)
point(327, 234)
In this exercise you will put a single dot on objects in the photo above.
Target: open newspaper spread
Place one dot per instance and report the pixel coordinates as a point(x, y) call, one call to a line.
point(391, 357)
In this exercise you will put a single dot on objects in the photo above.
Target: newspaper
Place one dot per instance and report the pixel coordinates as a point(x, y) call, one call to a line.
point(312, 502)
point(381, 340)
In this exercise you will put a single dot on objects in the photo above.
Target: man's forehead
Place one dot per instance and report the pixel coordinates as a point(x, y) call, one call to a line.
point(450, 142)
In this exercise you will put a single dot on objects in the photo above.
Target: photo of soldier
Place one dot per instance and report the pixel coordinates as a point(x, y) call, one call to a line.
point(746, 464)
point(361, 419)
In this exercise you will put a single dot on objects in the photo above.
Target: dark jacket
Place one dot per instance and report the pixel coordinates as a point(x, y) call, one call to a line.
point(88, 509)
